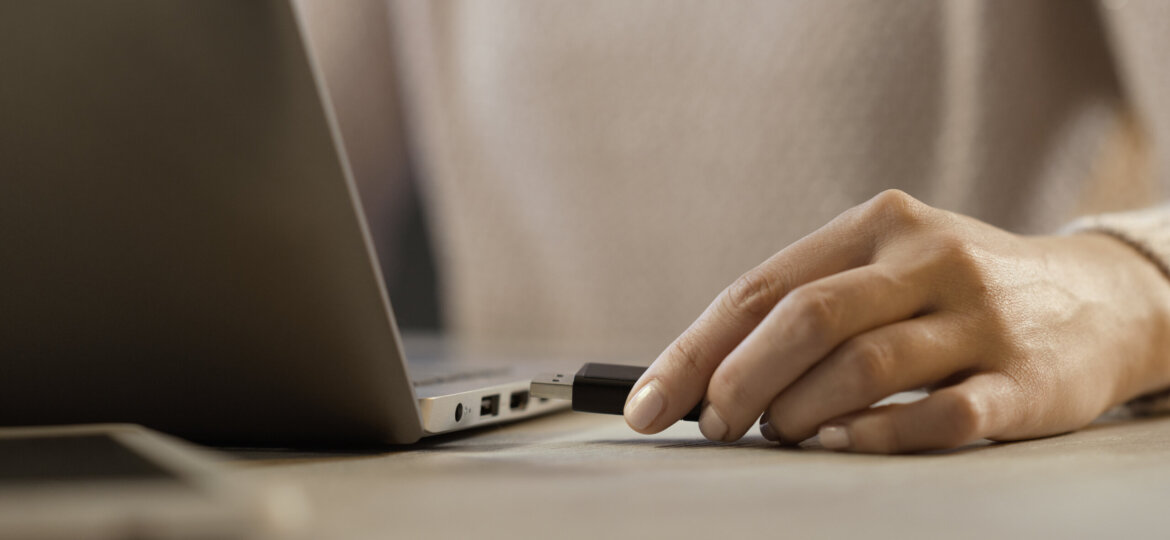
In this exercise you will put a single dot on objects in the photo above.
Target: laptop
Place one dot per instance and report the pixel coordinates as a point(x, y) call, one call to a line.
point(185, 245)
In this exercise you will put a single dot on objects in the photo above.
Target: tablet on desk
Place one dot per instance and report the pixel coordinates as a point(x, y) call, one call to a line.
point(119, 481)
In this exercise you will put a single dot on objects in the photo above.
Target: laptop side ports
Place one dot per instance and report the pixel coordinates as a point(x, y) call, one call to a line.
point(518, 401)
point(489, 406)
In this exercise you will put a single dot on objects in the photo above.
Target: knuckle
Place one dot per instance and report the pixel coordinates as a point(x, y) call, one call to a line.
point(957, 256)
point(753, 294)
point(869, 365)
point(896, 207)
point(686, 355)
point(889, 278)
point(954, 248)
point(816, 312)
point(729, 390)
point(967, 414)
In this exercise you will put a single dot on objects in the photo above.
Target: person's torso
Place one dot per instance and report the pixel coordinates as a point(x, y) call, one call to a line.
point(601, 170)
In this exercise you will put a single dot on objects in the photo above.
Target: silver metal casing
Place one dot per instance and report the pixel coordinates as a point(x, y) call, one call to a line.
point(182, 241)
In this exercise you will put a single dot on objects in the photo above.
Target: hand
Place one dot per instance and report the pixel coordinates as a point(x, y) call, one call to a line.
point(1017, 337)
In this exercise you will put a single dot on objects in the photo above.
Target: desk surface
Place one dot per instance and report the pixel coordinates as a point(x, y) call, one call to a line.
point(575, 475)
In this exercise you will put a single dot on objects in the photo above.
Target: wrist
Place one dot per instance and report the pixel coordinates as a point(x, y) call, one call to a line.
point(1141, 289)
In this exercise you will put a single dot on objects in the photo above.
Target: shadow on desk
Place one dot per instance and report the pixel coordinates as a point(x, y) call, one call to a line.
point(581, 431)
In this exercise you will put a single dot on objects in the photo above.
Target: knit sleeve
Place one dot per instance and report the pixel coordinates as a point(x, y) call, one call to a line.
point(1147, 230)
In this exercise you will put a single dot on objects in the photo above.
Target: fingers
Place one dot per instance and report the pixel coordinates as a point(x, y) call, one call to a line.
point(677, 380)
point(801, 330)
point(975, 409)
point(866, 369)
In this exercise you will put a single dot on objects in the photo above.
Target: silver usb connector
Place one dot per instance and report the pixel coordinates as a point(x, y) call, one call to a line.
point(553, 386)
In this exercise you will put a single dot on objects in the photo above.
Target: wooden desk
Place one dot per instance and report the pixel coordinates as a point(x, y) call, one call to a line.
point(573, 475)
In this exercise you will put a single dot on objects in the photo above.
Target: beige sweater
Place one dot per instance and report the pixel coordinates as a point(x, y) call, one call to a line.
point(597, 171)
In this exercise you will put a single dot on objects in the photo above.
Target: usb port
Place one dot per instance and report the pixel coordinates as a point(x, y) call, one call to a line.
point(518, 401)
point(489, 405)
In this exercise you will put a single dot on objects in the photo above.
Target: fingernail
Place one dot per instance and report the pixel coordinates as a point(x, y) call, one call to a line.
point(769, 433)
point(644, 407)
point(834, 437)
point(711, 425)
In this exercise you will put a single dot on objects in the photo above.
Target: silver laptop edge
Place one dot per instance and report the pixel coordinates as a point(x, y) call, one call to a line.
point(189, 246)
point(441, 409)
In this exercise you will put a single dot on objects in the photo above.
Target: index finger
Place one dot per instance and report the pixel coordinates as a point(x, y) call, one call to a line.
point(678, 378)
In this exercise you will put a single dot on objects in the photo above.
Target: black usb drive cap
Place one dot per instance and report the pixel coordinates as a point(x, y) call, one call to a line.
point(597, 388)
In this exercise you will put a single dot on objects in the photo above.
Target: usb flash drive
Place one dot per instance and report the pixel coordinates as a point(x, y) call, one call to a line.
point(596, 388)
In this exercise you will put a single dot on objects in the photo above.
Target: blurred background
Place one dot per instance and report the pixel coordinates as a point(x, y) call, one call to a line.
point(583, 171)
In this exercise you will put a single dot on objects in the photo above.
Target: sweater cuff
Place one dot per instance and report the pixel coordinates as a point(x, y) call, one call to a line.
point(1147, 231)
